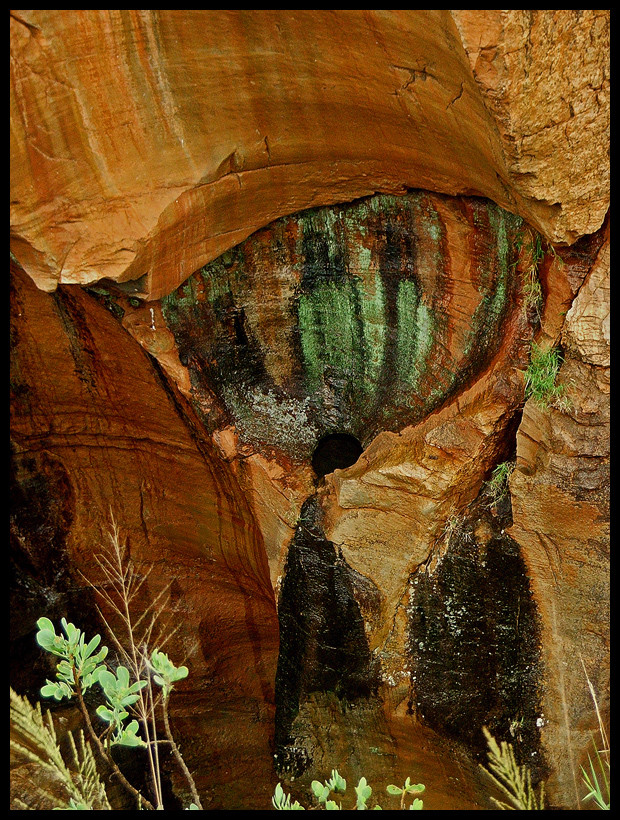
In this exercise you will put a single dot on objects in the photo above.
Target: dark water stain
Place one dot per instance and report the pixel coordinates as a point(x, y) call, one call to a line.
point(323, 647)
point(42, 507)
point(365, 313)
point(474, 643)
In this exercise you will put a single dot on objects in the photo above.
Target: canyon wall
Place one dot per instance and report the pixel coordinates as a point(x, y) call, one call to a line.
point(234, 233)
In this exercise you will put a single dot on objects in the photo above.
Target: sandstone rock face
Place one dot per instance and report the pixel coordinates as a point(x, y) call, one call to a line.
point(95, 428)
point(359, 319)
point(147, 142)
point(542, 77)
point(238, 235)
point(355, 320)
point(560, 497)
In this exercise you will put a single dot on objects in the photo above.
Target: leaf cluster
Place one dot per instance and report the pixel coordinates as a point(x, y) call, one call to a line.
point(129, 690)
point(78, 663)
point(597, 780)
point(497, 486)
point(338, 785)
point(165, 672)
point(120, 694)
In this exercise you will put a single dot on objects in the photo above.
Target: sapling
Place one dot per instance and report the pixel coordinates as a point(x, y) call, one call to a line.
point(78, 670)
point(81, 667)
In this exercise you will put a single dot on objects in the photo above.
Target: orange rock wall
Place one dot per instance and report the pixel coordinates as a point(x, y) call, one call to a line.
point(98, 430)
point(560, 497)
point(146, 142)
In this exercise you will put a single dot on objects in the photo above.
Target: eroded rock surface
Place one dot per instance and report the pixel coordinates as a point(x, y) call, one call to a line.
point(560, 497)
point(337, 233)
point(96, 429)
point(147, 142)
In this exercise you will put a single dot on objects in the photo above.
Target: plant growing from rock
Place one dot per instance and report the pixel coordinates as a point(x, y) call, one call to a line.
point(338, 785)
point(596, 775)
point(79, 780)
point(496, 488)
point(541, 375)
point(532, 288)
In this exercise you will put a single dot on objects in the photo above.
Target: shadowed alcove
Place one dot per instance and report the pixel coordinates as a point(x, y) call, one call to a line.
point(335, 451)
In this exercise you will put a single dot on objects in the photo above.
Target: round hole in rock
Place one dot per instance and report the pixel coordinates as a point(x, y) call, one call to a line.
point(335, 451)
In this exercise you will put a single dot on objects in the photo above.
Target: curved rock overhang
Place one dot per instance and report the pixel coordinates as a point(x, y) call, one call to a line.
point(145, 143)
point(163, 154)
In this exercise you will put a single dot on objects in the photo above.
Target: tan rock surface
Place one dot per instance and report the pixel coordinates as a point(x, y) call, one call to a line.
point(146, 142)
point(544, 75)
point(560, 499)
point(389, 513)
point(586, 332)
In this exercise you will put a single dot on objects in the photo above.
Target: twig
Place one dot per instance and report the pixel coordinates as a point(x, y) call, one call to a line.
point(179, 757)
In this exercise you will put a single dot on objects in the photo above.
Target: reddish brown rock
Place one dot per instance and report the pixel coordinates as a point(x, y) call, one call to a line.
point(97, 429)
point(147, 142)
point(560, 499)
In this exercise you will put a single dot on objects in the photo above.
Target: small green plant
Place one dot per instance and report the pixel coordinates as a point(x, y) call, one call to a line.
point(408, 788)
point(80, 780)
point(532, 288)
point(541, 375)
point(282, 801)
point(512, 780)
point(596, 779)
point(137, 689)
point(338, 785)
point(496, 488)
point(596, 776)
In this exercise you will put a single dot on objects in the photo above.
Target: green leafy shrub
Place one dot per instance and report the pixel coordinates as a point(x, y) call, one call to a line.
point(79, 669)
point(338, 785)
point(137, 690)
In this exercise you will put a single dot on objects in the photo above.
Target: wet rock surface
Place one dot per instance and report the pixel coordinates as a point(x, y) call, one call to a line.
point(474, 640)
point(354, 319)
point(363, 237)
point(323, 647)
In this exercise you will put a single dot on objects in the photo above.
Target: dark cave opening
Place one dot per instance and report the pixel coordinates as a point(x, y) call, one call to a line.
point(335, 451)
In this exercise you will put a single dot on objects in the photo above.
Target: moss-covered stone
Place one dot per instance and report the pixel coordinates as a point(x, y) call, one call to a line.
point(348, 318)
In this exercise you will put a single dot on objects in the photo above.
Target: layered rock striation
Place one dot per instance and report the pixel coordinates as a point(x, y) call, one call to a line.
point(147, 142)
point(276, 281)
